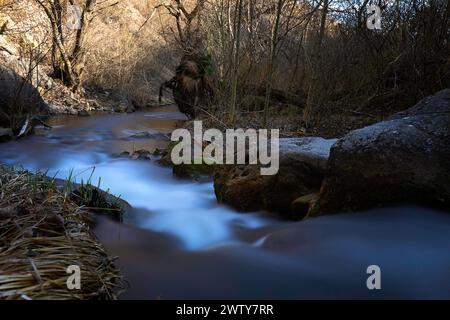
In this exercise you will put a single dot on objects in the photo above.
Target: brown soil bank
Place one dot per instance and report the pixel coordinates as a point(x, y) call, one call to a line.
point(42, 233)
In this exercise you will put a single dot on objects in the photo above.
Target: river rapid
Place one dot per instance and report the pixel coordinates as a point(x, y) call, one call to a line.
point(177, 242)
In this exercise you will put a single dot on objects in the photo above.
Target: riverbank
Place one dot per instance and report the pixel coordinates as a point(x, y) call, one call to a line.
point(42, 233)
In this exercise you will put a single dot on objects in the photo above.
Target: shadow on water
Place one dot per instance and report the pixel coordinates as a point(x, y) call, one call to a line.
point(177, 242)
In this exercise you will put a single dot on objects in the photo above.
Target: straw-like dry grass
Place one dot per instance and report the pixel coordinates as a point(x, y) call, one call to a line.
point(42, 232)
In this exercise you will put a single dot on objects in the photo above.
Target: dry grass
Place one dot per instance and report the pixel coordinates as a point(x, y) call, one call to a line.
point(42, 232)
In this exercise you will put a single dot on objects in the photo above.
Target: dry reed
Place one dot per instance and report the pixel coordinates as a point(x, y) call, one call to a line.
point(42, 232)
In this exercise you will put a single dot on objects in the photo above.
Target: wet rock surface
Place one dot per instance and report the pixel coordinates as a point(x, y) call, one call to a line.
point(302, 168)
point(402, 160)
point(136, 155)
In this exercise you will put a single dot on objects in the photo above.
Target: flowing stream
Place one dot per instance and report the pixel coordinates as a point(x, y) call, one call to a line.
point(178, 243)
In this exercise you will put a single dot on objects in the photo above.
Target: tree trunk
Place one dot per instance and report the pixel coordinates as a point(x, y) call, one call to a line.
point(273, 48)
point(315, 85)
point(237, 44)
point(81, 32)
point(52, 15)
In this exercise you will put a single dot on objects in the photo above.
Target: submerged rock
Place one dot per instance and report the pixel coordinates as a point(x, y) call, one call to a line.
point(83, 113)
point(403, 160)
point(124, 154)
point(136, 155)
point(302, 168)
point(150, 135)
point(141, 155)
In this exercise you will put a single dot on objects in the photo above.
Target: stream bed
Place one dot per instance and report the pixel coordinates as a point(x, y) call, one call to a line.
point(177, 242)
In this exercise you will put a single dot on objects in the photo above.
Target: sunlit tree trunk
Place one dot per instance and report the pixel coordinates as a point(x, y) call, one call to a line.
point(52, 11)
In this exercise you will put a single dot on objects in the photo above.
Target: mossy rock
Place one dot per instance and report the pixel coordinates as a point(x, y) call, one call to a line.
point(195, 171)
point(203, 169)
point(301, 206)
point(165, 159)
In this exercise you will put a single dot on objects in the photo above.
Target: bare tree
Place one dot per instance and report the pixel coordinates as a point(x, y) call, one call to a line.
point(273, 47)
point(235, 63)
point(186, 31)
point(315, 62)
point(68, 52)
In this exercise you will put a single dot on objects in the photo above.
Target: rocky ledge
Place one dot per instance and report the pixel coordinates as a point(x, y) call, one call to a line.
point(403, 160)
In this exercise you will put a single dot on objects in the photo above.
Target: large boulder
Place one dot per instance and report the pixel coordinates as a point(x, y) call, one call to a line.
point(405, 159)
point(18, 100)
point(302, 168)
